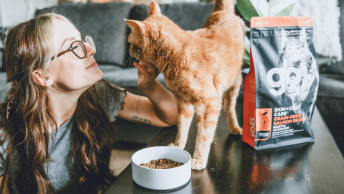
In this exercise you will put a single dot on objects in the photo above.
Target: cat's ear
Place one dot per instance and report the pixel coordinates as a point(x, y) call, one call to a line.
point(154, 8)
point(136, 26)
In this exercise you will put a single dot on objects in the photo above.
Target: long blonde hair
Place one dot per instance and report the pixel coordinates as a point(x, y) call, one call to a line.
point(25, 117)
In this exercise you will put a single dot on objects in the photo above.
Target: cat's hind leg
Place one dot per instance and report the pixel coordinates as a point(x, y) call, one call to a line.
point(186, 112)
point(207, 116)
point(229, 102)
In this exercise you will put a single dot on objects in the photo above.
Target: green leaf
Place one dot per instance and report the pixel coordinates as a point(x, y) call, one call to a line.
point(247, 56)
point(247, 51)
point(286, 11)
point(247, 44)
point(246, 9)
point(246, 60)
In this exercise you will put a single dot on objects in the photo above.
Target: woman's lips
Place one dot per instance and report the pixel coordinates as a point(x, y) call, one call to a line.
point(94, 64)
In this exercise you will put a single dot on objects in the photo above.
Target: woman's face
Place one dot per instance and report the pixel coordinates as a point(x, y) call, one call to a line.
point(68, 72)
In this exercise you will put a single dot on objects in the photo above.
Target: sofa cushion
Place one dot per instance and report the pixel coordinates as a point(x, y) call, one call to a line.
point(104, 22)
point(330, 100)
point(189, 16)
point(330, 103)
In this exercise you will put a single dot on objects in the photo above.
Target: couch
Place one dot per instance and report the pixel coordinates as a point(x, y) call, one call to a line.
point(105, 23)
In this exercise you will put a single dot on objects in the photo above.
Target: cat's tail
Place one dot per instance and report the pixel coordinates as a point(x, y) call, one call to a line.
point(227, 5)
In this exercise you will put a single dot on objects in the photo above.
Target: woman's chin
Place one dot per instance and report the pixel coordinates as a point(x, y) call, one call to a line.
point(96, 76)
point(100, 74)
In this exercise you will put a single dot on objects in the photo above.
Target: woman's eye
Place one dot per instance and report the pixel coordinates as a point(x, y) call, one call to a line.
point(75, 48)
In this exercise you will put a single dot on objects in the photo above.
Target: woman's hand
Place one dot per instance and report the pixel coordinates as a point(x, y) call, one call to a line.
point(146, 74)
point(157, 106)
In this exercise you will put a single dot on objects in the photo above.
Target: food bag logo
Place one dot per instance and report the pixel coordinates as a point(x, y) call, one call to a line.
point(298, 68)
point(253, 127)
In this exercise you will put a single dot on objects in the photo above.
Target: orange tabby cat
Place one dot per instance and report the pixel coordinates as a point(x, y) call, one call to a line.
point(200, 67)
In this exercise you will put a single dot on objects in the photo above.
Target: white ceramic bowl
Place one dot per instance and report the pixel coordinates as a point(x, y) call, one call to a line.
point(161, 179)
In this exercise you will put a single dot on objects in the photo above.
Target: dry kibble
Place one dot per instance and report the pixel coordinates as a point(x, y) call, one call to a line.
point(161, 164)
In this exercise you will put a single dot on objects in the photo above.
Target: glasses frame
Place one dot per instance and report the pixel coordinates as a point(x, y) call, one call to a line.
point(71, 48)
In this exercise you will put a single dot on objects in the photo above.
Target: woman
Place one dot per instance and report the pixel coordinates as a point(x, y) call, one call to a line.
point(55, 126)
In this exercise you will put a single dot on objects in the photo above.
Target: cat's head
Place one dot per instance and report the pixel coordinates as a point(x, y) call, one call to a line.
point(144, 34)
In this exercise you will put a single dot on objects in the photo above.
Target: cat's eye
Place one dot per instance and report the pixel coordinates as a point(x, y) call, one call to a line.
point(136, 47)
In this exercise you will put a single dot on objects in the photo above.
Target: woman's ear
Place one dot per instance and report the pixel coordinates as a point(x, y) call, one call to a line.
point(38, 78)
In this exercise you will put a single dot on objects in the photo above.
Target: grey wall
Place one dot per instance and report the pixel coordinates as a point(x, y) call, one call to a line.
point(15, 11)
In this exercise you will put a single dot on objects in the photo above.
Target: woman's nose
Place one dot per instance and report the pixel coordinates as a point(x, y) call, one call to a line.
point(91, 50)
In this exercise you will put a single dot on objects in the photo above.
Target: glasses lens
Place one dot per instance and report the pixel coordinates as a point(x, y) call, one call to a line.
point(79, 49)
point(89, 41)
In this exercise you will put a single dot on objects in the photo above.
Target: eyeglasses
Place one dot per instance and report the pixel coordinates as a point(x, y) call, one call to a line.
point(78, 47)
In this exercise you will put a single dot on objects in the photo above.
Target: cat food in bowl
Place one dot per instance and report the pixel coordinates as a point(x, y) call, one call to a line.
point(161, 168)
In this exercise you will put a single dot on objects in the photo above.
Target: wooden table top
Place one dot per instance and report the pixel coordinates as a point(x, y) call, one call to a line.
point(235, 167)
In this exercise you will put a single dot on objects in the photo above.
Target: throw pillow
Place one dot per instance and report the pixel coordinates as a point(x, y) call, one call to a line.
point(326, 15)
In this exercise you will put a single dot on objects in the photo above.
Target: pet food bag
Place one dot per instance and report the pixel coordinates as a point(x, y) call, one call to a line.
point(281, 87)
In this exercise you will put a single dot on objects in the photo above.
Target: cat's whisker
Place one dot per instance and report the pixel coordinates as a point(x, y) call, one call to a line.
point(126, 64)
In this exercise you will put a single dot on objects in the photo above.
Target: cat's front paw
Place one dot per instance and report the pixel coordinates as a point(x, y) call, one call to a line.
point(171, 145)
point(197, 164)
point(176, 146)
point(236, 131)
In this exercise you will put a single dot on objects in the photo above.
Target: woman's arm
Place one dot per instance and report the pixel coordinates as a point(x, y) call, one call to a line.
point(158, 107)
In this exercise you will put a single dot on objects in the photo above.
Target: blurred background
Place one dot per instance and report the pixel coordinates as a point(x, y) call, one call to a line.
point(15, 11)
